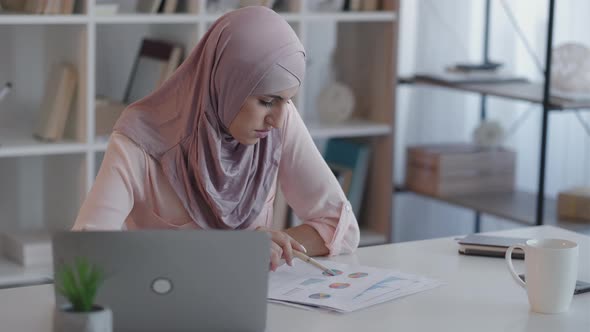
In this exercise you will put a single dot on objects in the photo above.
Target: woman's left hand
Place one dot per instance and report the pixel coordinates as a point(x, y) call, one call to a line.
point(282, 247)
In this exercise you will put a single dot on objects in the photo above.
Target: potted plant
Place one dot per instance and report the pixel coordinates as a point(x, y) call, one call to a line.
point(79, 283)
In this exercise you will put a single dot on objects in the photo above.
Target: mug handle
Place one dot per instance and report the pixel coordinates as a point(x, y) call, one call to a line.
point(508, 258)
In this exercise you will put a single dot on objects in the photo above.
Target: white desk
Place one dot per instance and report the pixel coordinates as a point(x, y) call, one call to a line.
point(479, 295)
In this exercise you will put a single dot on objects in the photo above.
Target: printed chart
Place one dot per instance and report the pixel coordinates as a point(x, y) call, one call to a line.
point(353, 288)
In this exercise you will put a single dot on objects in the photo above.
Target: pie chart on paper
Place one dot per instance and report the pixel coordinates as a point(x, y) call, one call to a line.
point(319, 296)
point(357, 275)
point(336, 272)
point(339, 285)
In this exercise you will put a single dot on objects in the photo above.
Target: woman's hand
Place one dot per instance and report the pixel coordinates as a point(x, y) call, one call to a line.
point(281, 247)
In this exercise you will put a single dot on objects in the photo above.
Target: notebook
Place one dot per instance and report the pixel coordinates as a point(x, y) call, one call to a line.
point(491, 246)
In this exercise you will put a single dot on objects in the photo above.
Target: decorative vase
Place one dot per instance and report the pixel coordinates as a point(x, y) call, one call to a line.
point(570, 71)
point(100, 319)
point(489, 134)
point(335, 103)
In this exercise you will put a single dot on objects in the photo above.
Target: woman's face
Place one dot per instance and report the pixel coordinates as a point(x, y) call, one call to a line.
point(259, 115)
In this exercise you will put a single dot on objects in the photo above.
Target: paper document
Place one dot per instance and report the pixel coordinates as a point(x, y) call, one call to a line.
point(353, 288)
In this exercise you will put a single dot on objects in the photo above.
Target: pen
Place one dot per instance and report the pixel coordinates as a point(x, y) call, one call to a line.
point(313, 262)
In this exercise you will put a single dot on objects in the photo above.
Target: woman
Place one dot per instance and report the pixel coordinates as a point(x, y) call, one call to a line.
point(205, 150)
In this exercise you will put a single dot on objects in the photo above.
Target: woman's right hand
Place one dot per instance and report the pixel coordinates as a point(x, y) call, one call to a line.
point(281, 247)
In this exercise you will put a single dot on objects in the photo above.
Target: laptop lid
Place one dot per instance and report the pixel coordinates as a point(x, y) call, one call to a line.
point(169, 280)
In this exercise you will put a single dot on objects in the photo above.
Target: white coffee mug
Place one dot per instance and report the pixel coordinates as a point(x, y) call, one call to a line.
point(551, 270)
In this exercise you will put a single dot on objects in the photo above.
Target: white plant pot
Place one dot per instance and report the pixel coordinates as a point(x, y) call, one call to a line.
point(98, 320)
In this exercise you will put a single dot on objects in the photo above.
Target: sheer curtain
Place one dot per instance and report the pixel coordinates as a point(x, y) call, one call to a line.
point(435, 34)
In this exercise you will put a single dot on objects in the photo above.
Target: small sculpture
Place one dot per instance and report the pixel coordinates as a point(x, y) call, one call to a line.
point(335, 103)
point(489, 134)
point(570, 69)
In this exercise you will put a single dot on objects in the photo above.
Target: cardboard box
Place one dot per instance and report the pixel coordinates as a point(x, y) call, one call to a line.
point(574, 204)
point(27, 248)
point(459, 168)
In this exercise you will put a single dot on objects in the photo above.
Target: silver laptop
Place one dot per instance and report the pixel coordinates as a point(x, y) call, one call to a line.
point(168, 280)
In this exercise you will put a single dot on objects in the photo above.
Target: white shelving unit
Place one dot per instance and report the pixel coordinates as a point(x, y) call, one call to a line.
point(43, 184)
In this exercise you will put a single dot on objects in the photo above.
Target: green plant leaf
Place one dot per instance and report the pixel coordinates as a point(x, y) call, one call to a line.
point(70, 286)
point(79, 283)
point(83, 271)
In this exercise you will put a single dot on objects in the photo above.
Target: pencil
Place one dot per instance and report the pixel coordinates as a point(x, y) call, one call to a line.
point(313, 262)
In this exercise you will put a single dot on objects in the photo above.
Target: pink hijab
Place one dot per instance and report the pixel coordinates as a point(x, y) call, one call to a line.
point(184, 124)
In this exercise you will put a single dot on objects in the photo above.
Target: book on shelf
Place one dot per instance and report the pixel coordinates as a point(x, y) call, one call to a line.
point(344, 155)
point(148, 6)
point(57, 102)
point(280, 210)
point(40, 7)
point(488, 245)
point(388, 5)
point(52, 7)
point(12, 6)
point(221, 6)
point(370, 5)
point(459, 168)
point(188, 6)
point(343, 175)
point(170, 66)
point(27, 248)
point(106, 9)
point(107, 113)
point(34, 6)
point(574, 204)
point(169, 6)
point(355, 5)
point(291, 6)
point(156, 61)
point(265, 3)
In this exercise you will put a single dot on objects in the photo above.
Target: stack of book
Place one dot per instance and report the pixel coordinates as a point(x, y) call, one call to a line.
point(462, 168)
point(39, 7)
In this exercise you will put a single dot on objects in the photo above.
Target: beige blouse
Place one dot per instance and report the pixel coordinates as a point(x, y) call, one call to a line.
point(132, 192)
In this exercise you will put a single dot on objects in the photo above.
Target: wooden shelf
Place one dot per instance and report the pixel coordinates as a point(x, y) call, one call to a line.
point(351, 128)
point(518, 206)
point(530, 92)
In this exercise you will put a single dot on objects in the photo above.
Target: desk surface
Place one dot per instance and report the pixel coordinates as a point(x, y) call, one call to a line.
point(479, 295)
